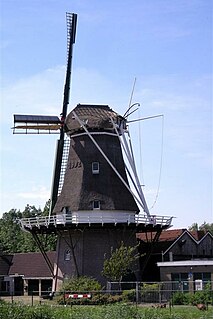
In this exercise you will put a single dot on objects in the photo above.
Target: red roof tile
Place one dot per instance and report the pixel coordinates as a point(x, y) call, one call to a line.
point(166, 235)
point(171, 235)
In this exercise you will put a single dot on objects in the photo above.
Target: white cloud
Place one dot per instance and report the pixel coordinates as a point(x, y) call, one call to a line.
point(39, 192)
point(38, 94)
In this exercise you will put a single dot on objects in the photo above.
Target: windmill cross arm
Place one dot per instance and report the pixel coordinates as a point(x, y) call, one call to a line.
point(36, 123)
point(36, 119)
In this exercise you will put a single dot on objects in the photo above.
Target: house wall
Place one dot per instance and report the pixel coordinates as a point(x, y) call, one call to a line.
point(185, 246)
point(188, 248)
point(205, 247)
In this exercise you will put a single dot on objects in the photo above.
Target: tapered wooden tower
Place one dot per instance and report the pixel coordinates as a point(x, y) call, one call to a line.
point(94, 194)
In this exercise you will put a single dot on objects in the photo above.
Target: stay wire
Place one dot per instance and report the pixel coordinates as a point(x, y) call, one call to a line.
point(140, 150)
point(161, 164)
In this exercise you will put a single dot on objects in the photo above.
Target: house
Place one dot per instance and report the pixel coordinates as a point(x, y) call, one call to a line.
point(179, 255)
point(25, 273)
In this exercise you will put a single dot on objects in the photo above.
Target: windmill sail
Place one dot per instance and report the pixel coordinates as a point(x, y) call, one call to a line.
point(59, 170)
point(36, 124)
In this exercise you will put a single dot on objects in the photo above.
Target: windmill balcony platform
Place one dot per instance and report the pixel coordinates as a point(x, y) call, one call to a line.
point(95, 220)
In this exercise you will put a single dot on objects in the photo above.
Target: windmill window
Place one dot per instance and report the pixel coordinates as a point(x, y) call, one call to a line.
point(96, 204)
point(95, 167)
point(67, 255)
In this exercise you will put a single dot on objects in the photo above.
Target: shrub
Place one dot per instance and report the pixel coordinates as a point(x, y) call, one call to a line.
point(129, 295)
point(150, 292)
point(2, 301)
point(150, 287)
point(83, 284)
point(179, 298)
point(79, 285)
point(96, 299)
point(199, 297)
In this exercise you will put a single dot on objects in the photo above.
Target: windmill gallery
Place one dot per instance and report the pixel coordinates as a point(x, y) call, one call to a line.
point(93, 207)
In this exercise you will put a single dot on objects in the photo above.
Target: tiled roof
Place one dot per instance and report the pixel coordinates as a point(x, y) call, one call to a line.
point(171, 235)
point(31, 264)
point(197, 234)
point(166, 235)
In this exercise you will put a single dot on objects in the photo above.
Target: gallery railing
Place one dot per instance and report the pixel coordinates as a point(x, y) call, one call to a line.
point(88, 218)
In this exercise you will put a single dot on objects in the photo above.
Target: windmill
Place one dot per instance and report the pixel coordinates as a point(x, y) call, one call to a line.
point(93, 207)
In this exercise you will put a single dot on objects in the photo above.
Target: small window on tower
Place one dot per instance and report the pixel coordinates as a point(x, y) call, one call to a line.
point(67, 255)
point(95, 167)
point(96, 204)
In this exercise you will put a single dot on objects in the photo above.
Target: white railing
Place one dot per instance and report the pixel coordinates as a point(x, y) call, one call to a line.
point(68, 219)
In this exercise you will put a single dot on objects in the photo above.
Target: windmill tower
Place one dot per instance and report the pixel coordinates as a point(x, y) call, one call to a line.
point(94, 196)
point(93, 207)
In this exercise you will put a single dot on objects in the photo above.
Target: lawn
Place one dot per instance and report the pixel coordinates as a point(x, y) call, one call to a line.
point(117, 311)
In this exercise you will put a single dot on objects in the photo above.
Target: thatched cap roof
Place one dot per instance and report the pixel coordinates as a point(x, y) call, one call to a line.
point(96, 117)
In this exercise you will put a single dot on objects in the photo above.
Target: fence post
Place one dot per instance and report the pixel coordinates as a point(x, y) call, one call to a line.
point(32, 299)
point(64, 298)
point(159, 294)
point(137, 292)
point(109, 285)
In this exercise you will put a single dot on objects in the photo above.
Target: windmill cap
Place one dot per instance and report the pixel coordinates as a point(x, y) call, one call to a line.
point(95, 117)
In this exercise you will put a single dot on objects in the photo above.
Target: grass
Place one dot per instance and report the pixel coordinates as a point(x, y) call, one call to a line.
point(117, 311)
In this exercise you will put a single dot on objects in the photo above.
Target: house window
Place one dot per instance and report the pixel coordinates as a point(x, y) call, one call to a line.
point(205, 276)
point(179, 276)
point(67, 255)
point(95, 168)
point(96, 204)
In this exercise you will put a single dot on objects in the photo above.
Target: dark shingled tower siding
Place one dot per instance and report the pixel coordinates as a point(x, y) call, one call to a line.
point(81, 188)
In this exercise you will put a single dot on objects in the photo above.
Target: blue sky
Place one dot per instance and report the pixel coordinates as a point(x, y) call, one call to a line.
point(166, 45)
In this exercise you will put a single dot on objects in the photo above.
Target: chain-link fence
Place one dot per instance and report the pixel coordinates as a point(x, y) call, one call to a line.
point(161, 293)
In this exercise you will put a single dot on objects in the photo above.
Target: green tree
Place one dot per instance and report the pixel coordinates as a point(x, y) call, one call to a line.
point(205, 226)
point(194, 226)
point(120, 262)
point(10, 233)
point(14, 240)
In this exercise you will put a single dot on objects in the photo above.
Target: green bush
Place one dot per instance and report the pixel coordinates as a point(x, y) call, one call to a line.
point(150, 287)
point(75, 285)
point(202, 296)
point(129, 295)
point(179, 298)
point(2, 301)
point(96, 299)
point(82, 284)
